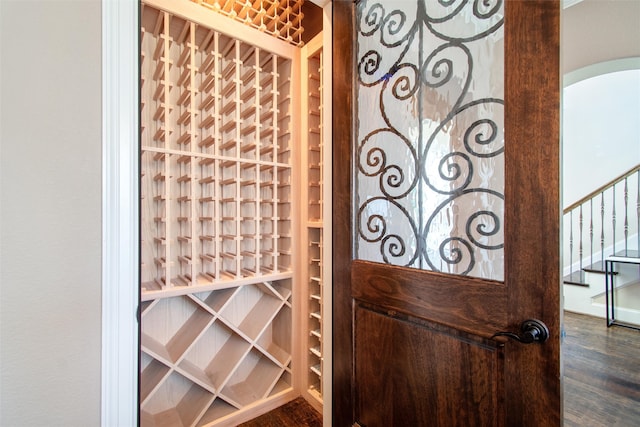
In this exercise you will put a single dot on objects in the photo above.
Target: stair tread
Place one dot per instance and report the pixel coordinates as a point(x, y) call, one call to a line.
point(575, 278)
point(596, 267)
point(629, 253)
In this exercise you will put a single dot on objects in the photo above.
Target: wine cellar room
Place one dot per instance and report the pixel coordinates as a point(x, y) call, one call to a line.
point(235, 209)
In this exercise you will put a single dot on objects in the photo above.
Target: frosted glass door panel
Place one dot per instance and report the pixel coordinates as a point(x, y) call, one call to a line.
point(429, 164)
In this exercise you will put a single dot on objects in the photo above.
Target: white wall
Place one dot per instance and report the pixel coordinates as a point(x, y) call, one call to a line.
point(601, 123)
point(596, 31)
point(601, 101)
point(600, 126)
point(601, 131)
point(50, 207)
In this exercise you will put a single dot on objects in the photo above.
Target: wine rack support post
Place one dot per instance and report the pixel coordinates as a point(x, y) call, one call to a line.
point(327, 193)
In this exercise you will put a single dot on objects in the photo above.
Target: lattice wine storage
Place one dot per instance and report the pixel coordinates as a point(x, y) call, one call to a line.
point(278, 18)
point(209, 354)
point(219, 110)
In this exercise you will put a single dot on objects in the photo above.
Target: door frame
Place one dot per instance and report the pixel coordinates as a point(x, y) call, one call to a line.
point(120, 213)
point(523, 98)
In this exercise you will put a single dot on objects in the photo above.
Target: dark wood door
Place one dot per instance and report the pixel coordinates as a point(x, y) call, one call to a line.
point(415, 346)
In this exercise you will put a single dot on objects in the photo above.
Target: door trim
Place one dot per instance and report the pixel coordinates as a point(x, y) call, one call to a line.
point(533, 30)
point(342, 227)
point(120, 246)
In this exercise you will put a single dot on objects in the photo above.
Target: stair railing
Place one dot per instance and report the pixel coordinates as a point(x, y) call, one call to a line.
point(585, 228)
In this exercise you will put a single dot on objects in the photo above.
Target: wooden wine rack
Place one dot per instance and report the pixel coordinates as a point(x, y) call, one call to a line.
point(216, 157)
point(208, 355)
point(313, 232)
point(278, 18)
point(218, 145)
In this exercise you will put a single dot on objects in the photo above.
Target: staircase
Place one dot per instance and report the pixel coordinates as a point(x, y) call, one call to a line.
point(604, 223)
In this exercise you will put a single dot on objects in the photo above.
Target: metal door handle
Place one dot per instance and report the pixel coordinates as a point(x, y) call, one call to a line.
point(531, 330)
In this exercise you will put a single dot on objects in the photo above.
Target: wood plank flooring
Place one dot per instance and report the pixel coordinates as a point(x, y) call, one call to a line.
point(297, 413)
point(601, 373)
point(601, 380)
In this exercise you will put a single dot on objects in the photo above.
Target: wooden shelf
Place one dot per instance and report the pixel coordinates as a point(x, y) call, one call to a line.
point(316, 370)
point(207, 83)
point(168, 342)
point(230, 125)
point(217, 410)
point(179, 402)
point(208, 141)
point(206, 103)
point(228, 89)
point(184, 57)
point(228, 70)
point(215, 356)
point(257, 309)
point(206, 180)
point(275, 341)
point(216, 300)
point(263, 376)
point(154, 372)
point(207, 122)
point(208, 64)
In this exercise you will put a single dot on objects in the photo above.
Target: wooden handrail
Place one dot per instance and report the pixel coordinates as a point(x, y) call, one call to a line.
point(602, 188)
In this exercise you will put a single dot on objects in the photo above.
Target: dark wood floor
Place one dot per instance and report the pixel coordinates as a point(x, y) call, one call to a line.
point(601, 373)
point(297, 413)
point(601, 380)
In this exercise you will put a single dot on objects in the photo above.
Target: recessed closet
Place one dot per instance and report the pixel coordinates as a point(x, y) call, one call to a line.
point(235, 210)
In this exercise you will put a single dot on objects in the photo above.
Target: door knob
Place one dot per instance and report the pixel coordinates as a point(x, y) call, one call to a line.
point(531, 330)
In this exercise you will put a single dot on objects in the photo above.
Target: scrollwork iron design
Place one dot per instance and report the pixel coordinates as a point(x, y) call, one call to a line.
point(429, 157)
